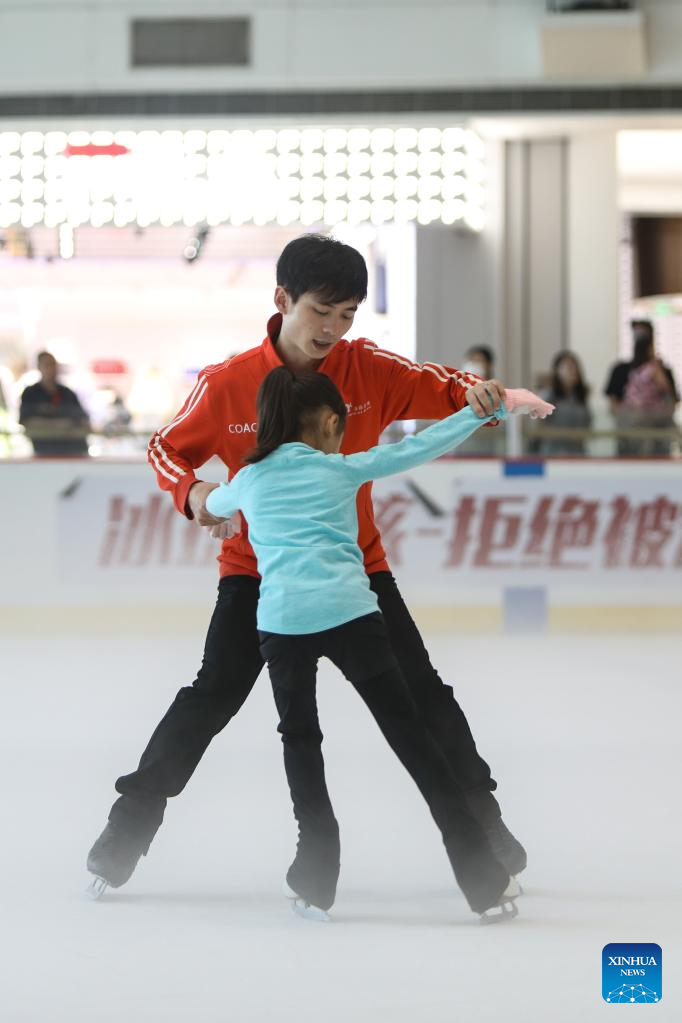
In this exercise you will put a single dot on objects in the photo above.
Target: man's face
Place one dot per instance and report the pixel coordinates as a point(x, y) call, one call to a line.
point(312, 326)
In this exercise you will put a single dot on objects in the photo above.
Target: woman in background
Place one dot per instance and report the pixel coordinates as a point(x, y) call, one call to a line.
point(568, 392)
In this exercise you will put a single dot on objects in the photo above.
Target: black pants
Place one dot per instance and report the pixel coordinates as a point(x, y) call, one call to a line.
point(231, 664)
point(361, 650)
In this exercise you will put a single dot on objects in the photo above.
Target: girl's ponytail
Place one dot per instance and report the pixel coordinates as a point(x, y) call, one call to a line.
point(288, 403)
point(277, 410)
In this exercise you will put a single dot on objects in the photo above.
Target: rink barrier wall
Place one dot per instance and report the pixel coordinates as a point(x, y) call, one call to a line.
point(477, 545)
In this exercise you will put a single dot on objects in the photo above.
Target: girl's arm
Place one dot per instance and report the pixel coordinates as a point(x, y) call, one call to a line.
point(224, 500)
point(387, 459)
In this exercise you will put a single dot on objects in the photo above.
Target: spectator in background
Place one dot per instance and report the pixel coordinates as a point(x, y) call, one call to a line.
point(642, 393)
point(480, 360)
point(53, 417)
point(568, 392)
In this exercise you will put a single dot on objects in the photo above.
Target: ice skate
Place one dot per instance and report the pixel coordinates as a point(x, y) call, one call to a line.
point(112, 860)
point(96, 888)
point(506, 909)
point(304, 909)
point(507, 849)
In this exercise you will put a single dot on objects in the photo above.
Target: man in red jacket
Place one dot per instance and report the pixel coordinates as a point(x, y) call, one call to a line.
point(320, 283)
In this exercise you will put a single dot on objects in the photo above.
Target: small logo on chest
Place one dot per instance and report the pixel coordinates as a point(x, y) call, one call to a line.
point(359, 409)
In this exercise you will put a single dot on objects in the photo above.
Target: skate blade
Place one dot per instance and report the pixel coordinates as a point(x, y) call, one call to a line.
point(502, 914)
point(308, 912)
point(96, 888)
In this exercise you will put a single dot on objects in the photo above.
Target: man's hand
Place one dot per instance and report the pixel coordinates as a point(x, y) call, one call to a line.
point(485, 398)
point(196, 500)
point(227, 528)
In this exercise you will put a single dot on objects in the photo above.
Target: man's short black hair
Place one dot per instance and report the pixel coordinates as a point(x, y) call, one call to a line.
point(327, 268)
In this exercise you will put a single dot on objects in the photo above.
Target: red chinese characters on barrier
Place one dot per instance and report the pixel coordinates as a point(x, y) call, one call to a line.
point(564, 532)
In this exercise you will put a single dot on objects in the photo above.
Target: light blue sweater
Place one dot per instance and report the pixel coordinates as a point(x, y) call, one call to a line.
point(301, 510)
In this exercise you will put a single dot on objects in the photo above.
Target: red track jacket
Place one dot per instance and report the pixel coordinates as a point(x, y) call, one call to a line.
point(219, 416)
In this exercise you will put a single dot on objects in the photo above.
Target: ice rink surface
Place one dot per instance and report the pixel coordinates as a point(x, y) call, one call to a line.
point(583, 734)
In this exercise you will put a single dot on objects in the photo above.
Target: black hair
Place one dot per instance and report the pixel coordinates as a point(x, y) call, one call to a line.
point(643, 351)
point(44, 355)
point(289, 402)
point(327, 268)
point(483, 350)
point(580, 390)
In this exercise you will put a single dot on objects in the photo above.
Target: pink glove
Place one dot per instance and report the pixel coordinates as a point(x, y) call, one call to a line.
point(524, 402)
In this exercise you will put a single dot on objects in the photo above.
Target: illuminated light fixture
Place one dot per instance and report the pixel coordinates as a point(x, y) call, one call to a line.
point(358, 139)
point(32, 190)
point(32, 142)
point(32, 166)
point(474, 217)
point(405, 139)
point(405, 163)
point(242, 176)
point(452, 138)
point(474, 145)
point(311, 140)
point(217, 141)
point(359, 211)
point(335, 188)
point(10, 142)
point(429, 211)
point(265, 139)
point(287, 140)
point(194, 141)
point(66, 241)
point(453, 163)
point(312, 213)
point(10, 190)
point(381, 139)
point(406, 187)
point(288, 164)
point(428, 188)
point(382, 212)
point(359, 187)
point(311, 188)
point(382, 188)
point(32, 214)
point(359, 163)
point(288, 213)
point(452, 210)
point(312, 164)
point(406, 210)
point(10, 214)
point(382, 163)
point(10, 167)
point(335, 139)
point(452, 187)
point(55, 142)
point(335, 212)
point(334, 163)
point(429, 138)
point(429, 163)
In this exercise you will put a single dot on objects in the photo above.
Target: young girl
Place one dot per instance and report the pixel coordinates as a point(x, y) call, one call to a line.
point(298, 495)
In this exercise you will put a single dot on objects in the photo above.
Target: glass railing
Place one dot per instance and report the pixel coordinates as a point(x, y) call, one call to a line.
point(518, 437)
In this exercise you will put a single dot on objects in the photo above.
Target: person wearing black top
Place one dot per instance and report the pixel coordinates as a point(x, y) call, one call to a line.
point(53, 417)
point(616, 388)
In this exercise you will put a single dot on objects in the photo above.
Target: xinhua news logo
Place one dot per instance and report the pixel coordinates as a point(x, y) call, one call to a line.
point(631, 973)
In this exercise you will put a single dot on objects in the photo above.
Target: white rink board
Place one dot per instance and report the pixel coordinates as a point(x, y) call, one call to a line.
point(459, 533)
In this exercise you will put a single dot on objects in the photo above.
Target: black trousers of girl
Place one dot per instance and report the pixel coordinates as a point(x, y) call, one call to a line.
point(362, 651)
